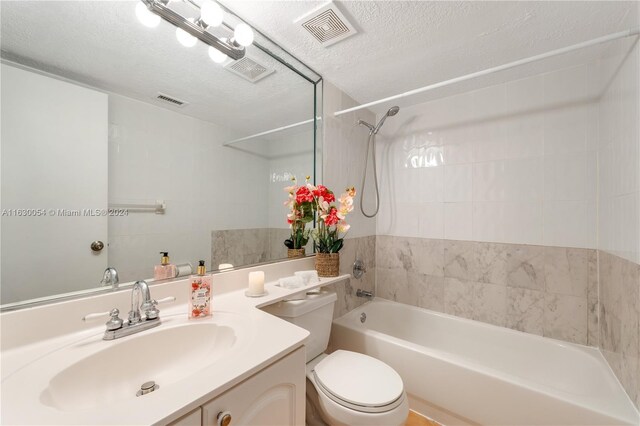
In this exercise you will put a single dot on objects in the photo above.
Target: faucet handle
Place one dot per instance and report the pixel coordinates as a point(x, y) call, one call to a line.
point(149, 309)
point(113, 324)
point(95, 315)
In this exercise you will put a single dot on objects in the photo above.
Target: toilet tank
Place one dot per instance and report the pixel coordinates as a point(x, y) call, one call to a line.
point(314, 314)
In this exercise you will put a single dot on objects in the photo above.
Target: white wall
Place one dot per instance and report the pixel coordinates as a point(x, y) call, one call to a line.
point(619, 152)
point(54, 156)
point(290, 155)
point(154, 154)
point(513, 163)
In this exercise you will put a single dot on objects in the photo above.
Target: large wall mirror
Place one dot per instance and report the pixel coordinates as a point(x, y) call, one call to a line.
point(115, 150)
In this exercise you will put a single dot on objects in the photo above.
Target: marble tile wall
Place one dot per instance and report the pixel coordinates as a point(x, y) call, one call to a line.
point(620, 319)
point(549, 291)
point(241, 247)
point(363, 248)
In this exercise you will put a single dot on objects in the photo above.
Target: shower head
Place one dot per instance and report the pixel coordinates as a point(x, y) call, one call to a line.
point(374, 130)
point(392, 111)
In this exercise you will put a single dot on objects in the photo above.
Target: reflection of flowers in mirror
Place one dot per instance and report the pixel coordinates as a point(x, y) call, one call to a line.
point(301, 212)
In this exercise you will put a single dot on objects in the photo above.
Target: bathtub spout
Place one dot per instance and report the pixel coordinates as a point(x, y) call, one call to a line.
point(364, 293)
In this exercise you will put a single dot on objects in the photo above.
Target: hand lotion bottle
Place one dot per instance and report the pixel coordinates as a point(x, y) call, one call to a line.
point(200, 293)
point(165, 269)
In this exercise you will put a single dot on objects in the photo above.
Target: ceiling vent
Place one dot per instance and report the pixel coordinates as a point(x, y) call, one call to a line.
point(171, 100)
point(249, 69)
point(327, 24)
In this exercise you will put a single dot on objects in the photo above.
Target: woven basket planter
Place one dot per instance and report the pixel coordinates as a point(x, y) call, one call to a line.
point(295, 253)
point(328, 264)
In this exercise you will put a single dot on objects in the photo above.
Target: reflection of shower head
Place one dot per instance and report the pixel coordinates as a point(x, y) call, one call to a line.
point(374, 130)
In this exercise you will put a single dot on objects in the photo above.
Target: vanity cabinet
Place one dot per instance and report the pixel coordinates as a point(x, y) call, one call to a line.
point(194, 418)
point(274, 396)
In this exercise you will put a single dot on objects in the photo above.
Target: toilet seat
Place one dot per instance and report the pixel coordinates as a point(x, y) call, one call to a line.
point(359, 382)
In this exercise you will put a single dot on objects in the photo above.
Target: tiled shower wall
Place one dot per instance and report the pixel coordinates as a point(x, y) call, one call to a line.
point(549, 291)
point(490, 205)
point(619, 213)
point(511, 163)
point(343, 152)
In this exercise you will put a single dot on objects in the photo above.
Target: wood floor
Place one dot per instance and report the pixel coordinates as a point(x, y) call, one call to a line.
point(416, 419)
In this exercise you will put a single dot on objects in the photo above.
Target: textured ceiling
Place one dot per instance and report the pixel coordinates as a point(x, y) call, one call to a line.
point(101, 44)
point(403, 45)
point(400, 45)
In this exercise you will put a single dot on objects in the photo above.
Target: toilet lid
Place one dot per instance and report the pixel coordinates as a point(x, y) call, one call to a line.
point(359, 379)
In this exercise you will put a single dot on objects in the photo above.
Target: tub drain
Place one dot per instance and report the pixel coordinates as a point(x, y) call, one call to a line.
point(147, 387)
point(363, 317)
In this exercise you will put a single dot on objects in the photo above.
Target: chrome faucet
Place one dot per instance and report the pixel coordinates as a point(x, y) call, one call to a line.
point(110, 278)
point(117, 328)
point(364, 293)
point(148, 305)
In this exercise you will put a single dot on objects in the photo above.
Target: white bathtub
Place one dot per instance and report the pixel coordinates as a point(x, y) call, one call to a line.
point(463, 371)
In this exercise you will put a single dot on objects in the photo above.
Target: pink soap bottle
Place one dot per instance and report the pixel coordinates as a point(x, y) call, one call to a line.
point(165, 269)
point(200, 293)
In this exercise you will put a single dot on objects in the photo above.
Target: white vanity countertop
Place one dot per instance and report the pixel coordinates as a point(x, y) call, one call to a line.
point(27, 370)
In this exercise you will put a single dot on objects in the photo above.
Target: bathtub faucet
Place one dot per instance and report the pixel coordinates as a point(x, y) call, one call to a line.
point(364, 293)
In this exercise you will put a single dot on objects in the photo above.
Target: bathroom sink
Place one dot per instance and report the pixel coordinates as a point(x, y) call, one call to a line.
point(117, 370)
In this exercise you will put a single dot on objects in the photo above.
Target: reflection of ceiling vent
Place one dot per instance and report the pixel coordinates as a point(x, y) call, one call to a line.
point(327, 24)
point(249, 69)
point(171, 100)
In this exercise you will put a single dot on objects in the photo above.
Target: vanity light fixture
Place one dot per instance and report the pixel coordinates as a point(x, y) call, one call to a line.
point(146, 17)
point(217, 56)
point(189, 30)
point(184, 38)
point(211, 13)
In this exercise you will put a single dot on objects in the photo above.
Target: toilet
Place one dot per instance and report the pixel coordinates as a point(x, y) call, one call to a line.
point(344, 387)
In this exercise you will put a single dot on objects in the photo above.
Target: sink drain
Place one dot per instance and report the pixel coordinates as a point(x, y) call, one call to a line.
point(147, 387)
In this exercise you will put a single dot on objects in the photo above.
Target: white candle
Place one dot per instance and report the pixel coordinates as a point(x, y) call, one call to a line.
point(256, 282)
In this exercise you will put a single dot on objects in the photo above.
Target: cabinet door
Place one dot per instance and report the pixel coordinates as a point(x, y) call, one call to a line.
point(194, 418)
point(274, 396)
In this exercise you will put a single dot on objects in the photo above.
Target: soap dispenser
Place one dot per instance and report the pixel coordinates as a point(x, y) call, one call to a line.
point(165, 269)
point(200, 293)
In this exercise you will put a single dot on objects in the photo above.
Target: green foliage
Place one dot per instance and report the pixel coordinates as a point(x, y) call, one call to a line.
point(327, 240)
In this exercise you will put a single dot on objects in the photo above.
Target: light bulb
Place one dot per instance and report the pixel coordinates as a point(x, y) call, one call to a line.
point(146, 17)
point(217, 56)
point(211, 13)
point(186, 39)
point(243, 34)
